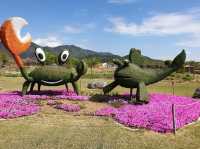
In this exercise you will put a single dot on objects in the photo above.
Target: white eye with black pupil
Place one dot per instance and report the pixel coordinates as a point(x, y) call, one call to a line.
point(40, 55)
point(64, 55)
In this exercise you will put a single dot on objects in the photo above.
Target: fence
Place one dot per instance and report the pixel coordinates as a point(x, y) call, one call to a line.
point(184, 114)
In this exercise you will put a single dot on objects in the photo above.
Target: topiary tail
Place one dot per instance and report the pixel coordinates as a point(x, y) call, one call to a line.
point(179, 60)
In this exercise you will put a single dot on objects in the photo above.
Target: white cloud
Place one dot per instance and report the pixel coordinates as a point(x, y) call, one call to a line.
point(72, 29)
point(50, 41)
point(161, 24)
point(190, 42)
point(121, 1)
point(185, 24)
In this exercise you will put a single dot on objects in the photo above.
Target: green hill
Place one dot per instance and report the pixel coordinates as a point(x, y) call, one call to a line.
point(81, 53)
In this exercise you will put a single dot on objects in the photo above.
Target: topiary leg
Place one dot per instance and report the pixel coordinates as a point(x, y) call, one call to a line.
point(32, 86)
point(76, 88)
point(39, 86)
point(67, 88)
point(141, 94)
point(131, 93)
point(109, 87)
point(25, 87)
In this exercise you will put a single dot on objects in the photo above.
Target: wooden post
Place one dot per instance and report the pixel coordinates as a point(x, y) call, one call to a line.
point(173, 83)
point(80, 86)
point(174, 118)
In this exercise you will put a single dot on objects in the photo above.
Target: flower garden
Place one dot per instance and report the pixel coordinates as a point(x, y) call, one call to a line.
point(156, 115)
point(14, 105)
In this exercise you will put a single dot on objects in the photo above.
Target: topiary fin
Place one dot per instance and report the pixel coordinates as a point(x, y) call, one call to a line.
point(135, 56)
point(131, 56)
point(179, 60)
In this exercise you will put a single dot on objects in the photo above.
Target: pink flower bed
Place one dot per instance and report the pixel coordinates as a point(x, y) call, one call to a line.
point(13, 105)
point(68, 107)
point(157, 114)
point(56, 94)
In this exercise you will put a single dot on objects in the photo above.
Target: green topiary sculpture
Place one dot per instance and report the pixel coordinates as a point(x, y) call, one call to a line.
point(130, 75)
point(48, 75)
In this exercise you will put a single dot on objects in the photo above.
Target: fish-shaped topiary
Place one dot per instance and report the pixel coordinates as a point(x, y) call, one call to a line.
point(130, 75)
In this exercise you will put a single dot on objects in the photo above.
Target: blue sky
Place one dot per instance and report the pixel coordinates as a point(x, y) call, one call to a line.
point(159, 28)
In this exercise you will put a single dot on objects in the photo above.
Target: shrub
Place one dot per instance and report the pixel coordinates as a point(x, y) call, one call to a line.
point(187, 77)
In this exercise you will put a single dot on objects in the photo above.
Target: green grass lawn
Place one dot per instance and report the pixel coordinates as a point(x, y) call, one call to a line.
point(55, 129)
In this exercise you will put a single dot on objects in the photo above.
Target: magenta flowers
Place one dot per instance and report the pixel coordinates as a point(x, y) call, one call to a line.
point(12, 105)
point(56, 94)
point(68, 107)
point(157, 115)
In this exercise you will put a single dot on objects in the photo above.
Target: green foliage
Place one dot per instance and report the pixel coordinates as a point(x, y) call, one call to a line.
point(92, 62)
point(130, 75)
point(4, 58)
point(136, 57)
point(51, 73)
point(51, 58)
point(179, 60)
point(98, 75)
point(187, 77)
point(181, 70)
point(168, 62)
point(72, 62)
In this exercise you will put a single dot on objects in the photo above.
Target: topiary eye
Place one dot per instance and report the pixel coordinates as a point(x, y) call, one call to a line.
point(40, 55)
point(63, 57)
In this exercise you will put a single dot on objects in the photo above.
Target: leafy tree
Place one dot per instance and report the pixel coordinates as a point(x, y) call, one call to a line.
point(92, 62)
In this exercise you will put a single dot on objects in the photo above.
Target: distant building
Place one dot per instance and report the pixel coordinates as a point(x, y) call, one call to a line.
point(192, 69)
point(189, 68)
point(107, 65)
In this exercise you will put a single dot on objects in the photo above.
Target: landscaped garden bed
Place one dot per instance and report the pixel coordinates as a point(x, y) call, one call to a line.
point(157, 115)
point(14, 105)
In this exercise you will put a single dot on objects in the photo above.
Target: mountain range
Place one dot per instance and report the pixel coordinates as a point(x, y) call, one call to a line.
point(74, 51)
point(81, 53)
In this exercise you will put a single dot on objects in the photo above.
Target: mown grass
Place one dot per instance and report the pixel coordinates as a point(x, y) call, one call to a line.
point(55, 129)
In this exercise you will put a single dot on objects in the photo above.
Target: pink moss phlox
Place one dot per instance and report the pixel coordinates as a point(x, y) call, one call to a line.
point(157, 114)
point(55, 94)
point(12, 105)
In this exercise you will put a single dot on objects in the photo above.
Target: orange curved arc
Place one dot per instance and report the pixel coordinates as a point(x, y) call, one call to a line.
point(12, 43)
